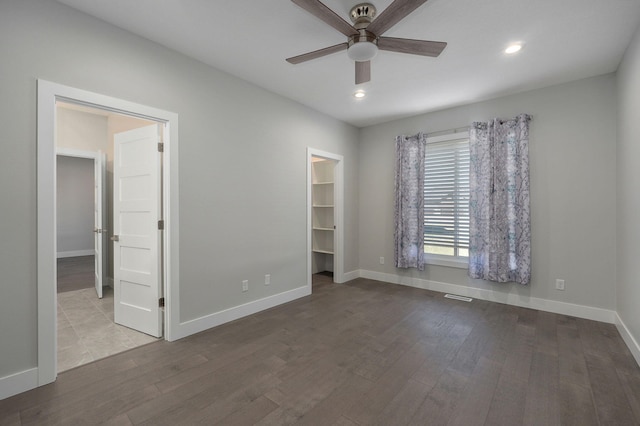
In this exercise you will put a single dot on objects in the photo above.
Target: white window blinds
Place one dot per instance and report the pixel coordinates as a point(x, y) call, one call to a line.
point(446, 197)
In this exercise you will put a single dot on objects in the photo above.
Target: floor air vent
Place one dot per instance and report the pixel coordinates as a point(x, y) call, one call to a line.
point(455, 296)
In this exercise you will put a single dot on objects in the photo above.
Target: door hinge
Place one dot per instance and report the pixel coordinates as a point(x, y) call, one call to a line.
point(161, 302)
point(160, 147)
point(161, 224)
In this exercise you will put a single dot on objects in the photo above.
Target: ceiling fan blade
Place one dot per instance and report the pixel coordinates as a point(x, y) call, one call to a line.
point(317, 53)
point(413, 47)
point(363, 72)
point(319, 10)
point(393, 14)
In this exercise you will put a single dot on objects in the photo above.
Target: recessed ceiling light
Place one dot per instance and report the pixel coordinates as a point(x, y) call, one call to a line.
point(513, 48)
point(359, 94)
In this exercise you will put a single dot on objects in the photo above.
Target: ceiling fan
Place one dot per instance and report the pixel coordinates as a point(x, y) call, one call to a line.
point(364, 36)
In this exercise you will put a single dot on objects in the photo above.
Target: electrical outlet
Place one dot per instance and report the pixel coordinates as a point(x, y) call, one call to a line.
point(267, 279)
point(559, 284)
point(245, 285)
point(382, 260)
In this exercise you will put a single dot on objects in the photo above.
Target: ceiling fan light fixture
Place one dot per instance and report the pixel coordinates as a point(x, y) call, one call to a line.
point(362, 51)
point(359, 94)
point(513, 48)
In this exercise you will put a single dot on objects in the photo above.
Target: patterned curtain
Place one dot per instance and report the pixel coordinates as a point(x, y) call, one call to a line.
point(499, 234)
point(409, 208)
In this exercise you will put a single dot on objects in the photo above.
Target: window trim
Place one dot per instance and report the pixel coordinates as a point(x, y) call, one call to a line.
point(460, 262)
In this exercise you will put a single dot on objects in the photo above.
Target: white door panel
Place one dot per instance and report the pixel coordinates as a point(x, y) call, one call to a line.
point(136, 213)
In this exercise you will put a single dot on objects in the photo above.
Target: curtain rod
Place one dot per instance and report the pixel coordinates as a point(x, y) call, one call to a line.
point(464, 128)
point(448, 132)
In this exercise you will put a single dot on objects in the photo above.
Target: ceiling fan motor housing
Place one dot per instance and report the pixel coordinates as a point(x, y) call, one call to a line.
point(362, 14)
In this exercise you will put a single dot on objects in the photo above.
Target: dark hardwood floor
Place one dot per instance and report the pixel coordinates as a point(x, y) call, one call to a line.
point(359, 353)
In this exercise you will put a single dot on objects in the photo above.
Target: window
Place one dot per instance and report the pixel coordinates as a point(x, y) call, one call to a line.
point(446, 198)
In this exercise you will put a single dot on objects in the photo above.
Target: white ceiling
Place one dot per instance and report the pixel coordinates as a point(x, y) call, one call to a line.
point(563, 40)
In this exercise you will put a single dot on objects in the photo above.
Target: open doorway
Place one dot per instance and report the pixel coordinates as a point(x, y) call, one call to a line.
point(86, 325)
point(325, 217)
point(153, 160)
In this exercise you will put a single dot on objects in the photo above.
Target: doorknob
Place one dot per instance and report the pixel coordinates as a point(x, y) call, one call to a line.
point(96, 230)
point(115, 238)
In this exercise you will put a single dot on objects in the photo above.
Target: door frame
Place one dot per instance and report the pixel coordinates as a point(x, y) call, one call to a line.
point(91, 155)
point(338, 195)
point(48, 94)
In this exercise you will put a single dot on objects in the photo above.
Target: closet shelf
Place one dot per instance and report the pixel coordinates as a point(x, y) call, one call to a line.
point(322, 251)
point(323, 215)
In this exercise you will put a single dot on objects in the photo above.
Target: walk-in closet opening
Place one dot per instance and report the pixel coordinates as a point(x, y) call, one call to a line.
point(325, 216)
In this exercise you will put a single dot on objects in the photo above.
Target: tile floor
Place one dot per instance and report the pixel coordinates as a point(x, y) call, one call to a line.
point(86, 331)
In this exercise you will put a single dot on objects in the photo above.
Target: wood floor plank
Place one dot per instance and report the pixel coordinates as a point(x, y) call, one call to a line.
point(249, 414)
point(343, 421)
point(211, 364)
point(591, 338)
point(610, 338)
point(294, 406)
point(475, 401)
point(546, 333)
point(508, 403)
point(625, 362)
point(611, 403)
point(10, 419)
point(527, 317)
point(438, 406)
point(576, 405)
point(331, 408)
point(542, 407)
point(631, 385)
point(571, 364)
point(201, 391)
point(387, 386)
point(59, 408)
point(112, 406)
point(359, 353)
point(223, 402)
point(509, 399)
point(406, 402)
point(119, 420)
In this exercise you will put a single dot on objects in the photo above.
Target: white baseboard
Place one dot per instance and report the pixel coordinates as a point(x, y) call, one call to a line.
point(18, 383)
point(213, 320)
point(628, 338)
point(352, 275)
point(75, 253)
point(580, 311)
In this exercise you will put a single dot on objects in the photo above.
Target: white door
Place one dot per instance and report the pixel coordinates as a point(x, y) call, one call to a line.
point(99, 221)
point(136, 248)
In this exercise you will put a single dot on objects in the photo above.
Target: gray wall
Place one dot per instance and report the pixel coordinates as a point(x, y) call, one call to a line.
point(86, 132)
point(573, 201)
point(242, 164)
point(628, 200)
point(75, 204)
